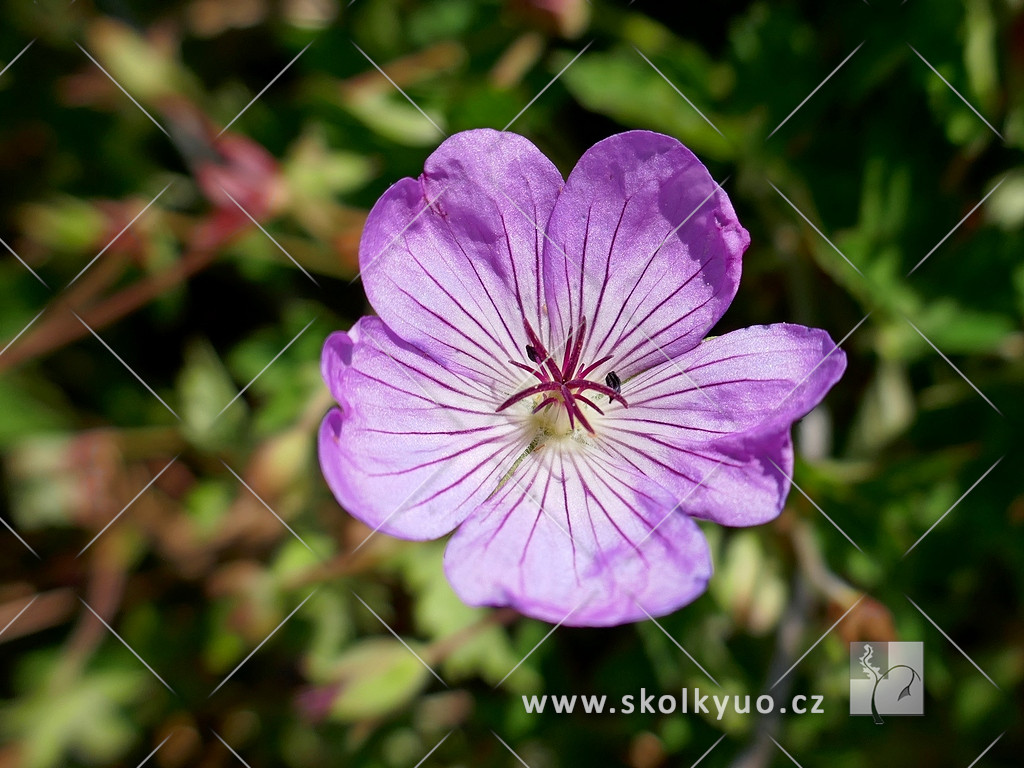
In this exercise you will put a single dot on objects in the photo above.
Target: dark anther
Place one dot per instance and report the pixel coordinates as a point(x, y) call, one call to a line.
point(564, 384)
point(613, 381)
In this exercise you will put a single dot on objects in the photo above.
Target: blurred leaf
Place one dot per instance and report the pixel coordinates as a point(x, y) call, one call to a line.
point(748, 583)
point(980, 55)
point(206, 504)
point(66, 225)
point(623, 86)
point(146, 68)
point(440, 614)
point(393, 117)
point(1006, 205)
point(887, 409)
point(90, 715)
point(375, 677)
point(332, 629)
point(205, 388)
point(24, 413)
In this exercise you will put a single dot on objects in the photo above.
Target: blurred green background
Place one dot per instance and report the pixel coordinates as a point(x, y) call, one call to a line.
point(196, 573)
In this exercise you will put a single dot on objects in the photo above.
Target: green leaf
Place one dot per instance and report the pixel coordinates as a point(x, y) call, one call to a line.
point(623, 86)
point(89, 715)
point(205, 387)
point(376, 677)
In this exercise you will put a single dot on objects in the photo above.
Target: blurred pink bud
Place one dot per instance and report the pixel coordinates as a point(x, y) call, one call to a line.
point(236, 174)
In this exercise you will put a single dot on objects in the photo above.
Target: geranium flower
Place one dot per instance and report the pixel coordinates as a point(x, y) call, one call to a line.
point(537, 378)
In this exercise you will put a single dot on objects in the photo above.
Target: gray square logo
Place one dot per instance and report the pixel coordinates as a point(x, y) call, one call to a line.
point(886, 679)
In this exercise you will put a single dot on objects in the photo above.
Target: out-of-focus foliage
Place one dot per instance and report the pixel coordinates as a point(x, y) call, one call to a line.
point(184, 506)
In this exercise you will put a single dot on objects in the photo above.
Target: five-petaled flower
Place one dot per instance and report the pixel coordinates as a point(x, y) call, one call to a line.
point(537, 377)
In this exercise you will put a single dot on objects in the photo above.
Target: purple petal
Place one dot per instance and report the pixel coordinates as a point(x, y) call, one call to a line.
point(645, 246)
point(569, 539)
point(413, 449)
point(451, 261)
point(712, 426)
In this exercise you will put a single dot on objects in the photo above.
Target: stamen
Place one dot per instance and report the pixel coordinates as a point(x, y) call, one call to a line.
point(540, 373)
point(570, 406)
point(590, 368)
point(536, 389)
point(540, 350)
point(564, 385)
point(577, 349)
point(588, 401)
point(613, 381)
